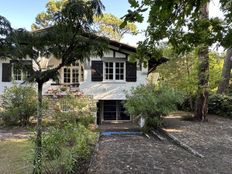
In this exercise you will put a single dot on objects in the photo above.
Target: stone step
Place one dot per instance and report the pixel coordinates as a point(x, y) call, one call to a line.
point(111, 133)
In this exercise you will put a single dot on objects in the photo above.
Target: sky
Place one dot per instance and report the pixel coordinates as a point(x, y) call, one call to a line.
point(22, 13)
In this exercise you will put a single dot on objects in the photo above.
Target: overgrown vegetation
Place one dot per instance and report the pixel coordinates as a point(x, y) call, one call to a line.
point(67, 149)
point(152, 102)
point(75, 109)
point(68, 144)
point(220, 105)
point(19, 103)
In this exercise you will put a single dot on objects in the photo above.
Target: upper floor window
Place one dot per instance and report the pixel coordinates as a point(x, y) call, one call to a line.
point(73, 73)
point(114, 71)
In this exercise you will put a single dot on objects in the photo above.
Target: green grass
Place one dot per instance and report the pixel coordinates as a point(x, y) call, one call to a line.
point(16, 157)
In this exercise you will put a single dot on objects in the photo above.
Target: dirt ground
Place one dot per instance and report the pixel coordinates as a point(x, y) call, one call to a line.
point(138, 154)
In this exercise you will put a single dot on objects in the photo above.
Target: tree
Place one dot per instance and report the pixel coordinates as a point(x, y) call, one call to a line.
point(69, 39)
point(186, 26)
point(226, 7)
point(180, 72)
point(46, 19)
point(226, 71)
point(106, 25)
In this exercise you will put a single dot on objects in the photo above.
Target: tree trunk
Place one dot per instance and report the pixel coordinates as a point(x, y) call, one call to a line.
point(224, 83)
point(38, 141)
point(203, 75)
point(189, 92)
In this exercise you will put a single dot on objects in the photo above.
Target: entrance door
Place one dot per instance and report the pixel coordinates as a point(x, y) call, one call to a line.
point(114, 110)
point(110, 110)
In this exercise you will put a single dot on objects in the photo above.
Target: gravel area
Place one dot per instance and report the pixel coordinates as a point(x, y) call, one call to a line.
point(139, 155)
point(213, 139)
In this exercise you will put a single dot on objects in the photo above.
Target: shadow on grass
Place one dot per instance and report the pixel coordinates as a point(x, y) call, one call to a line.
point(16, 156)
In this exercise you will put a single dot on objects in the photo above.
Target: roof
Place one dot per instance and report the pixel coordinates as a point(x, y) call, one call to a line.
point(122, 45)
point(115, 43)
point(153, 63)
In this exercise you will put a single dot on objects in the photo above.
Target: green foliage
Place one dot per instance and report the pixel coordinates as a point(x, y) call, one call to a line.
point(152, 102)
point(75, 109)
point(18, 104)
point(108, 25)
point(220, 105)
point(180, 72)
point(64, 150)
point(70, 38)
point(45, 19)
point(183, 27)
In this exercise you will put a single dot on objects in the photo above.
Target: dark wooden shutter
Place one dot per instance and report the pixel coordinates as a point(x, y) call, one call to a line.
point(131, 74)
point(6, 72)
point(97, 71)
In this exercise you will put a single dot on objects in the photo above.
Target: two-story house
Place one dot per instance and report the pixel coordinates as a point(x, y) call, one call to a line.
point(104, 78)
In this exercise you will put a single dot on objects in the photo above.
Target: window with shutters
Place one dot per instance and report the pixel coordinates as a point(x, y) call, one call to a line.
point(73, 74)
point(114, 71)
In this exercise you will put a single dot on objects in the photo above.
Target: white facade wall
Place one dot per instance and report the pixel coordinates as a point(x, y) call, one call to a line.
point(104, 90)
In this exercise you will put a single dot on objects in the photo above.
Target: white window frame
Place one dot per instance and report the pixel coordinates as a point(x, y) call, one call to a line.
point(71, 68)
point(114, 71)
point(23, 75)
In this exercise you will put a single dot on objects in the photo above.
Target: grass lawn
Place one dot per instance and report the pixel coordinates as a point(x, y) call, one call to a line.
point(15, 156)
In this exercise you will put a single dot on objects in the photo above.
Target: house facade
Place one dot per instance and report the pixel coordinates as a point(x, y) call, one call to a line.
point(105, 79)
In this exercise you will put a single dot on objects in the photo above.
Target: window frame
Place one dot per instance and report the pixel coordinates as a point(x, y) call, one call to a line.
point(23, 75)
point(114, 71)
point(72, 67)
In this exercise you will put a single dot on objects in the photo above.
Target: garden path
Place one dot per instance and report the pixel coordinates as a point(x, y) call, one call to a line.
point(137, 154)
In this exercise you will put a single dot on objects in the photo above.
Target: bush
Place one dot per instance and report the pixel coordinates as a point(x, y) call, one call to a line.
point(220, 105)
point(18, 104)
point(152, 102)
point(75, 109)
point(66, 150)
point(188, 104)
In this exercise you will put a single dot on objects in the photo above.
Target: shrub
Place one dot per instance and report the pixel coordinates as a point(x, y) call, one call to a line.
point(152, 102)
point(64, 150)
point(220, 105)
point(18, 104)
point(75, 109)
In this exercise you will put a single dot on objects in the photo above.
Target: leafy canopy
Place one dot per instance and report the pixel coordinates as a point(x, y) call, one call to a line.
point(69, 39)
point(180, 72)
point(106, 24)
point(180, 24)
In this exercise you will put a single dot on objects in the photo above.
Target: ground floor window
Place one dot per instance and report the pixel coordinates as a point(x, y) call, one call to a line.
point(113, 110)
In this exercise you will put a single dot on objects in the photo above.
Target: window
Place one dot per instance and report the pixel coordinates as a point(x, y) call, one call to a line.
point(119, 74)
point(67, 75)
point(114, 71)
point(18, 74)
point(109, 70)
point(73, 74)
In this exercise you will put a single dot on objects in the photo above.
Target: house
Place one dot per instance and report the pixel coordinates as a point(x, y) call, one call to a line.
point(105, 79)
